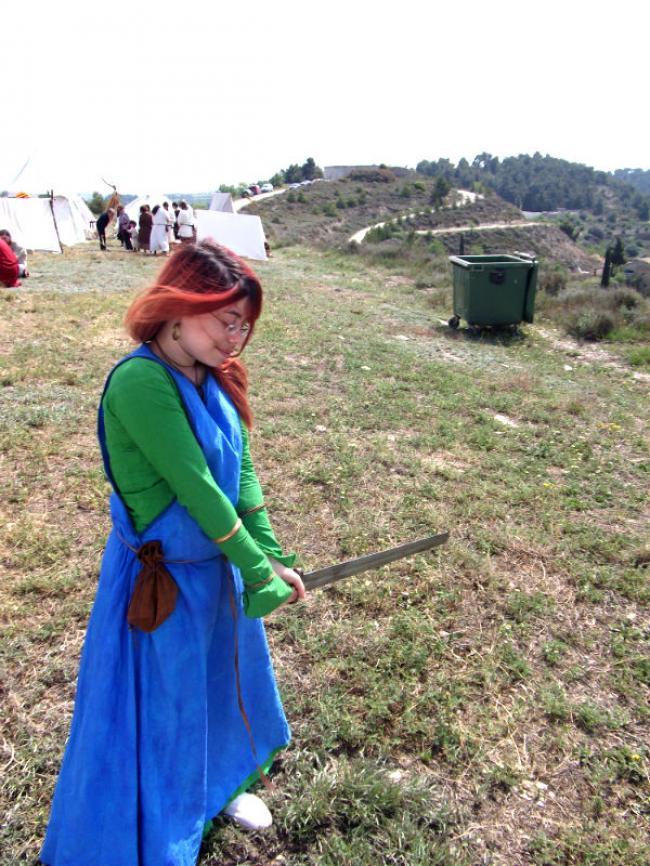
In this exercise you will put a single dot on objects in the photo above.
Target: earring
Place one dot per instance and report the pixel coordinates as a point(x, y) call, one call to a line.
point(176, 331)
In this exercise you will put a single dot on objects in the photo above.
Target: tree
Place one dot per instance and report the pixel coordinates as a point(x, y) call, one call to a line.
point(607, 267)
point(643, 210)
point(571, 229)
point(96, 203)
point(439, 191)
point(310, 170)
point(617, 255)
point(293, 174)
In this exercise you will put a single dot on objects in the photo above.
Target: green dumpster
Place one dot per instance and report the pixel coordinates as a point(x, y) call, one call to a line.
point(494, 290)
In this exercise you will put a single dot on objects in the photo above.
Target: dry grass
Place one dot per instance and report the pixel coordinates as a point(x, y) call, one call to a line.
point(487, 703)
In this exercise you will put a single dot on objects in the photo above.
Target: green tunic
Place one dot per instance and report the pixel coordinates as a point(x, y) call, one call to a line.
point(155, 459)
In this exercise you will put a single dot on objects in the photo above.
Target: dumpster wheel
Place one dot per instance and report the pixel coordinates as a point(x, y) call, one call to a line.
point(454, 322)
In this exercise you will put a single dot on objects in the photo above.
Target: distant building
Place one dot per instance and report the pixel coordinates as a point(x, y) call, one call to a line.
point(637, 275)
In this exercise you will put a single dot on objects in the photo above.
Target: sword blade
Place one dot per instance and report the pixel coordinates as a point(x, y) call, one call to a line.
point(332, 573)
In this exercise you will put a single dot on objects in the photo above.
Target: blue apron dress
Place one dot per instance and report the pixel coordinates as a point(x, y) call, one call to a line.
point(157, 745)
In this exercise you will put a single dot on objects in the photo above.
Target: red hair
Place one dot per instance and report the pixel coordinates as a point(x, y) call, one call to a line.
point(200, 278)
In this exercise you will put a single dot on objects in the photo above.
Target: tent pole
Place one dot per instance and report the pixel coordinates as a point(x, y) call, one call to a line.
point(56, 228)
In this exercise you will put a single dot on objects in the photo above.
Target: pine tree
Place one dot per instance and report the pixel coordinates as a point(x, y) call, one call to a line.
point(607, 267)
point(618, 254)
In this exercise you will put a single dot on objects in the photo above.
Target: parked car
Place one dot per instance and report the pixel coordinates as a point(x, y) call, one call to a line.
point(254, 189)
point(267, 187)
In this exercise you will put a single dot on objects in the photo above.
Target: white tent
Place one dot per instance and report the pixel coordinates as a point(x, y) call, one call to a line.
point(40, 223)
point(242, 234)
point(75, 222)
point(30, 222)
point(222, 201)
point(133, 207)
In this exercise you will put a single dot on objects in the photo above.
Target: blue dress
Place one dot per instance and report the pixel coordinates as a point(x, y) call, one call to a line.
point(157, 745)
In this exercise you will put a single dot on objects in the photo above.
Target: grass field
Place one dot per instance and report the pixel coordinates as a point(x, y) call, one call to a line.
point(485, 704)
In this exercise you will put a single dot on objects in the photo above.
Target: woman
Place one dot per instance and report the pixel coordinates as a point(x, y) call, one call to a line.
point(9, 266)
point(177, 712)
point(145, 223)
point(159, 241)
point(123, 234)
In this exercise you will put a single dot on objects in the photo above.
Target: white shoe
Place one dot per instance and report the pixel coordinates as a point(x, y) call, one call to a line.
point(249, 811)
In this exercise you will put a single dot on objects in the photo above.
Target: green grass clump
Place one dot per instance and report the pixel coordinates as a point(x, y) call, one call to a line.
point(639, 357)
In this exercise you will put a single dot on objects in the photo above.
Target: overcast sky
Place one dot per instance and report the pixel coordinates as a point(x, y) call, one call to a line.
point(170, 97)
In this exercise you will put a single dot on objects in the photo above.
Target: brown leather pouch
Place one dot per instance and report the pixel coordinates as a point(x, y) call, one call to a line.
point(155, 592)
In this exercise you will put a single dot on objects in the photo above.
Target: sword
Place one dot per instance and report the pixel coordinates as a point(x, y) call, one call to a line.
point(332, 573)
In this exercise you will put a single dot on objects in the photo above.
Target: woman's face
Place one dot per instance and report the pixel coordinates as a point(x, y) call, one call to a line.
point(212, 338)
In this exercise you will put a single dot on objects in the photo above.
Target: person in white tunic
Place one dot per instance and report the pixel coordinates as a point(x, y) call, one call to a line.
point(170, 223)
point(159, 236)
point(185, 223)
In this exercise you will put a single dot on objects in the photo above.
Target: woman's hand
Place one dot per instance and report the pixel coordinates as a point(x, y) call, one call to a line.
point(291, 577)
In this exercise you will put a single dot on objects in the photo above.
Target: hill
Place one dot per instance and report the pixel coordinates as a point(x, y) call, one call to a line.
point(636, 177)
point(603, 205)
point(329, 213)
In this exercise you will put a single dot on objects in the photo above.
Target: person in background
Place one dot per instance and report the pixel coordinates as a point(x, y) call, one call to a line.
point(176, 210)
point(145, 224)
point(133, 235)
point(159, 238)
point(170, 223)
point(8, 266)
point(185, 223)
point(102, 224)
point(19, 252)
point(123, 228)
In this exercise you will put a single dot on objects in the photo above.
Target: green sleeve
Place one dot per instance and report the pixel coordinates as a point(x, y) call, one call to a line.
point(250, 497)
point(143, 401)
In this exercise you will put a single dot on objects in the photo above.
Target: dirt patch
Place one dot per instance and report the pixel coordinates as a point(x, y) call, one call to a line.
point(590, 353)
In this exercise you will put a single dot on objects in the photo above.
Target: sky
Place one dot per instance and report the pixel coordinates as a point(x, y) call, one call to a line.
point(182, 97)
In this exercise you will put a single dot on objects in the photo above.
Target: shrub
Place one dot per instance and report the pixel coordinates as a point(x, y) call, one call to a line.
point(578, 295)
point(641, 320)
point(590, 324)
point(329, 209)
point(373, 175)
point(340, 204)
point(624, 298)
point(552, 283)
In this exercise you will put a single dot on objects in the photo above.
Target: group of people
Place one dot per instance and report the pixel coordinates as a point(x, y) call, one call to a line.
point(13, 261)
point(157, 228)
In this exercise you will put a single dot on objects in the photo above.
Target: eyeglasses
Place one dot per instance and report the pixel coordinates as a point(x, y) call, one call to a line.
point(232, 328)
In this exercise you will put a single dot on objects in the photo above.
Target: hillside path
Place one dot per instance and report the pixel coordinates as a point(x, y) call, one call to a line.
point(240, 203)
point(520, 224)
point(358, 237)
